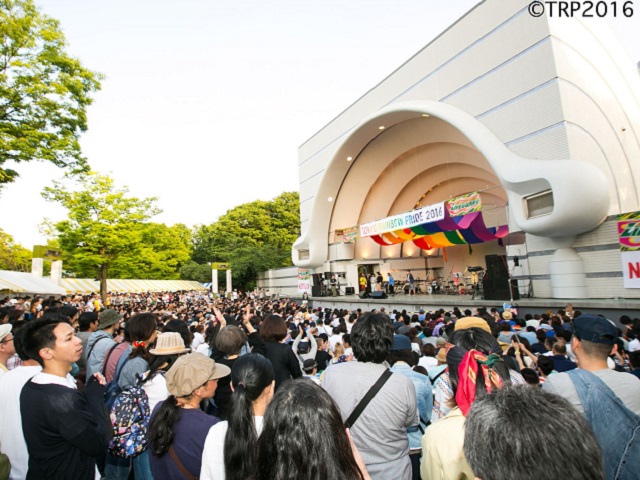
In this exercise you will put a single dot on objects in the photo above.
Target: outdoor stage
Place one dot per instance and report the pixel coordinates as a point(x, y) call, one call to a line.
point(611, 308)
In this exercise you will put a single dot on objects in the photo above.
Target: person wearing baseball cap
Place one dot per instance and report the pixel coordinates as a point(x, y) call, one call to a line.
point(6, 346)
point(178, 428)
point(101, 341)
point(593, 387)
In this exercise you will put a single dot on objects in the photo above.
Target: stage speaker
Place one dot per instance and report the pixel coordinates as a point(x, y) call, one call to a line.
point(378, 295)
point(350, 291)
point(498, 289)
point(363, 294)
point(496, 266)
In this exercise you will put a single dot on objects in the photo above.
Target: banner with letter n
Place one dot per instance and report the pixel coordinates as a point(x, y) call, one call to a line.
point(629, 238)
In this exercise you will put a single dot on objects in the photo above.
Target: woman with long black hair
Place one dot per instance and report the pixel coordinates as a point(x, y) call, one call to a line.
point(303, 437)
point(230, 448)
point(178, 427)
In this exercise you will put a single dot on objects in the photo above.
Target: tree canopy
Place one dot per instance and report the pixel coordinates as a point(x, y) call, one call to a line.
point(104, 227)
point(13, 256)
point(44, 92)
point(253, 237)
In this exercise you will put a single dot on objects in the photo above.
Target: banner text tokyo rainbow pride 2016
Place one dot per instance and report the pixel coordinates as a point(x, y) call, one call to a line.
point(431, 213)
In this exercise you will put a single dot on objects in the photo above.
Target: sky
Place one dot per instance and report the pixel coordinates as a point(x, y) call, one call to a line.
point(205, 103)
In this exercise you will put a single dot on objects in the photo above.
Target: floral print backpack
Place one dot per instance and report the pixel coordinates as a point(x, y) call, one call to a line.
point(130, 416)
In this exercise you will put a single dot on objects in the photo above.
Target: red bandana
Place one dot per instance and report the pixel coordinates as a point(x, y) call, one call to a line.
point(467, 374)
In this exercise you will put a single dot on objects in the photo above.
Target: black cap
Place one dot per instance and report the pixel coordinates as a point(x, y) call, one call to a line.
point(595, 329)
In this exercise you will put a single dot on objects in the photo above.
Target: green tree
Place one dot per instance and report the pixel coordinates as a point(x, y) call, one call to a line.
point(162, 252)
point(44, 92)
point(254, 237)
point(103, 224)
point(196, 271)
point(13, 256)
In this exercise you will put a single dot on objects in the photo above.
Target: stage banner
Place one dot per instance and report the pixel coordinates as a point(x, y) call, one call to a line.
point(464, 204)
point(629, 238)
point(432, 213)
point(304, 280)
point(349, 235)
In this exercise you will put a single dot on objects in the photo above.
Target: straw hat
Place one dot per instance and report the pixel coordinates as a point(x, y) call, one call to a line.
point(169, 343)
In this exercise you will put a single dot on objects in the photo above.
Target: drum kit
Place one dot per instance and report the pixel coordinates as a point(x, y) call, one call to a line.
point(461, 284)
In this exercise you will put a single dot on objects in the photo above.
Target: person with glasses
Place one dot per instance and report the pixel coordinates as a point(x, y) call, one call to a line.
point(7, 349)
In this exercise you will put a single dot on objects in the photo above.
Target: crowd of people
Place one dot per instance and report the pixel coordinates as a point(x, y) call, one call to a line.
point(190, 385)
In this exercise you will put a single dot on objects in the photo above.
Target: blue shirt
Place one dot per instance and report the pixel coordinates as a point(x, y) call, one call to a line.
point(424, 396)
point(562, 363)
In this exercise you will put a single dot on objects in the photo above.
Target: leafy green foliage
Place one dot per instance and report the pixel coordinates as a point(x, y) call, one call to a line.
point(44, 92)
point(13, 256)
point(254, 237)
point(196, 271)
point(104, 225)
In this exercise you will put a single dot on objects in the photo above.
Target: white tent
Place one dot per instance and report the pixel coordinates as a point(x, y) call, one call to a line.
point(22, 282)
point(86, 285)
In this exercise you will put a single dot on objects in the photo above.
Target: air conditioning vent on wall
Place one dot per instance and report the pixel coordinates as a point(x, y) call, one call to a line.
point(539, 204)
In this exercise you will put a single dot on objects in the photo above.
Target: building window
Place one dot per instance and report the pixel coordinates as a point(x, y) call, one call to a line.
point(539, 204)
point(303, 254)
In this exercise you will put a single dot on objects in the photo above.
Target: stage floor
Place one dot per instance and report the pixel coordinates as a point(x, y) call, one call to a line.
point(413, 303)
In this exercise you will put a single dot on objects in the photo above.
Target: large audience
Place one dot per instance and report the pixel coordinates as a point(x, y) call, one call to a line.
point(193, 385)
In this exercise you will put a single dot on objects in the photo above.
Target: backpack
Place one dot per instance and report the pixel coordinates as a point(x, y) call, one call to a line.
point(129, 416)
point(112, 389)
point(615, 426)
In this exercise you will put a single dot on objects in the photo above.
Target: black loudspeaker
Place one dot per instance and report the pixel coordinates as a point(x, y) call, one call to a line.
point(315, 290)
point(378, 295)
point(363, 294)
point(349, 291)
point(496, 266)
point(498, 289)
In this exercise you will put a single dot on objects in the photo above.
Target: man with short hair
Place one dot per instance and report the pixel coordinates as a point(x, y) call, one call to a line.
point(529, 451)
point(559, 356)
point(100, 342)
point(411, 281)
point(87, 323)
point(593, 387)
point(12, 441)
point(64, 429)
point(389, 413)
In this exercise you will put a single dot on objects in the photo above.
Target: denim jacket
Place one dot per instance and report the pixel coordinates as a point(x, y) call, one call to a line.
point(616, 427)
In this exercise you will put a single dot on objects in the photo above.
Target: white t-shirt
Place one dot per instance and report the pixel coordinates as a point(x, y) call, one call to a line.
point(634, 345)
point(624, 385)
point(12, 442)
point(428, 362)
point(198, 339)
point(334, 339)
point(156, 390)
point(213, 452)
